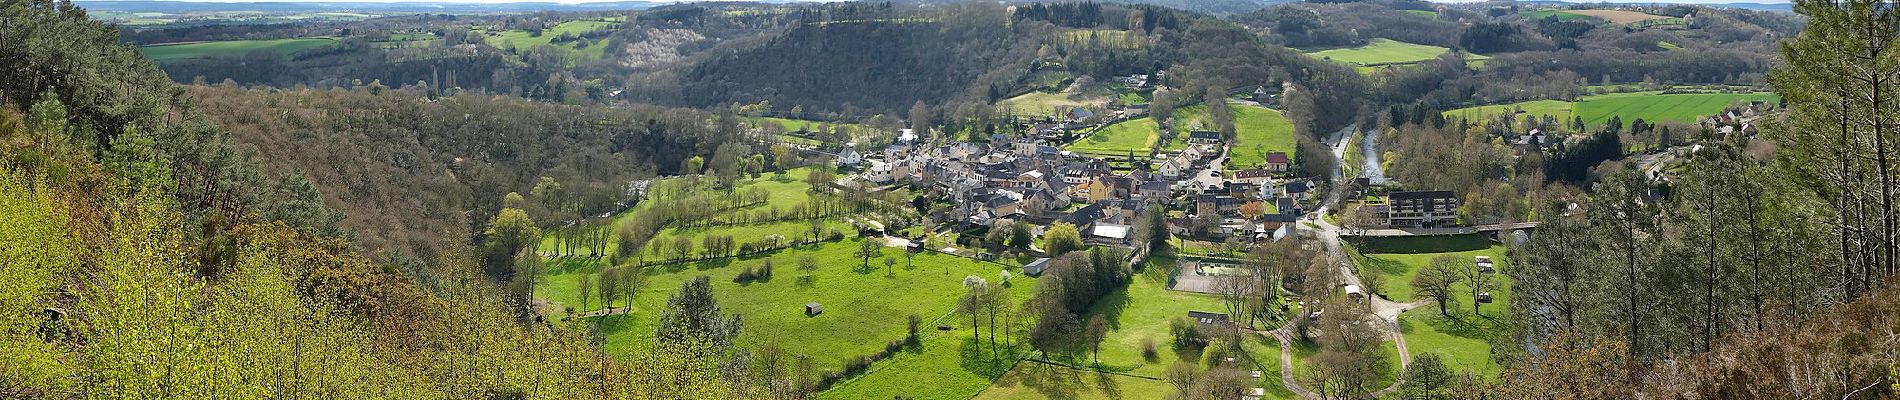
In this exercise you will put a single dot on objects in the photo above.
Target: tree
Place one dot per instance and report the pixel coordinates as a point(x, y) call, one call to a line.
point(808, 264)
point(527, 273)
point(1097, 330)
point(587, 290)
point(1060, 239)
point(1182, 375)
point(1426, 378)
point(694, 165)
point(889, 264)
point(1436, 281)
point(609, 287)
point(1253, 209)
point(509, 232)
point(972, 303)
point(869, 248)
point(632, 279)
point(1019, 235)
point(920, 118)
point(692, 315)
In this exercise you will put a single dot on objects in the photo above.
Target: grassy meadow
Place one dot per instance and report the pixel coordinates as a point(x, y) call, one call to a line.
point(182, 51)
point(1596, 110)
point(522, 40)
point(1259, 131)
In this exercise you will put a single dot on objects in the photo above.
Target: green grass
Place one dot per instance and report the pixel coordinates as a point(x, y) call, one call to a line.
point(1596, 110)
point(1037, 381)
point(1422, 13)
point(1652, 107)
point(785, 195)
point(522, 40)
point(1260, 131)
point(173, 52)
point(1118, 139)
point(1560, 14)
point(1400, 259)
point(863, 309)
point(1050, 103)
point(1462, 340)
point(1142, 311)
point(1382, 51)
point(948, 366)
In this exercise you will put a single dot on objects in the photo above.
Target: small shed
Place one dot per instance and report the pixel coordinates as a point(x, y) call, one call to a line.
point(1354, 292)
point(813, 309)
point(1035, 268)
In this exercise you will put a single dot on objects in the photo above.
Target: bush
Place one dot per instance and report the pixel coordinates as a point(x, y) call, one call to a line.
point(915, 321)
point(1148, 350)
point(1187, 334)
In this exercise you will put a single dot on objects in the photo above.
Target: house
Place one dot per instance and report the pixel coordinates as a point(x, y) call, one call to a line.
point(1427, 208)
point(1155, 190)
point(1253, 176)
point(1109, 234)
point(1136, 80)
point(1287, 206)
point(850, 158)
point(879, 173)
point(1279, 162)
point(1204, 137)
point(906, 135)
point(1208, 204)
point(1175, 167)
point(1079, 113)
point(1263, 96)
point(1296, 189)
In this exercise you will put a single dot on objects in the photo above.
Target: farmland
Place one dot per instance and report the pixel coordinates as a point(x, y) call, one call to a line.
point(182, 51)
point(1597, 110)
point(522, 40)
point(1382, 52)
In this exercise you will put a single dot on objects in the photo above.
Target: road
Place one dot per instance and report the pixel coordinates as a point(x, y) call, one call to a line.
point(1328, 234)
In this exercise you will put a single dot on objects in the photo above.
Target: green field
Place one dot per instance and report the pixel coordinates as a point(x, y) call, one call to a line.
point(1596, 110)
point(1463, 339)
point(1037, 381)
point(1560, 14)
point(522, 40)
point(1260, 131)
point(864, 309)
point(1118, 139)
point(949, 366)
point(1422, 13)
point(1382, 52)
point(1042, 103)
point(182, 51)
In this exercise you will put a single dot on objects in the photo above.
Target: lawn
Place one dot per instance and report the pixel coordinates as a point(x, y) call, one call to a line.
point(1041, 103)
point(1463, 341)
point(1422, 13)
point(948, 366)
point(1260, 131)
point(1400, 259)
point(1038, 381)
point(864, 309)
point(522, 40)
point(786, 194)
point(286, 47)
point(1138, 135)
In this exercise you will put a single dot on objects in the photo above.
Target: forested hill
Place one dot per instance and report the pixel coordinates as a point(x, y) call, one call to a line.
point(881, 63)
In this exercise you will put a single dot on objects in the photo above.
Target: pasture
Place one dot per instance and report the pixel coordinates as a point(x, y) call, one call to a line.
point(1462, 339)
point(1040, 103)
point(522, 40)
point(864, 307)
point(1137, 135)
point(181, 51)
point(1422, 13)
point(1562, 15)
point(1596, 110)
point(1618, 16)
point(1258, 131)
point(1382, 52)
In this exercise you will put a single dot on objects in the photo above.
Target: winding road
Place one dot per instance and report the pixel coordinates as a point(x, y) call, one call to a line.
point(1387, 311)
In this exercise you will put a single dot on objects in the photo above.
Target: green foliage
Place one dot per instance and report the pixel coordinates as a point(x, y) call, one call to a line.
point(1060, 239)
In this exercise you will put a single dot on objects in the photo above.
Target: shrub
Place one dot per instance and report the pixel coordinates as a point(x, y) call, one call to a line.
point(1187, 334)
point(1148, 349)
